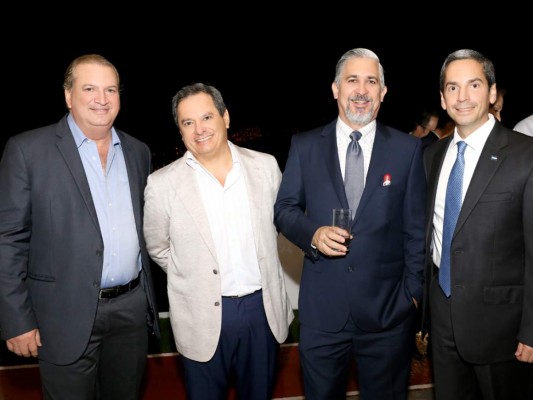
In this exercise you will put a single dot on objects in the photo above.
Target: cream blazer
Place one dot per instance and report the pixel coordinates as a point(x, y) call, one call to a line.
point(178, 239)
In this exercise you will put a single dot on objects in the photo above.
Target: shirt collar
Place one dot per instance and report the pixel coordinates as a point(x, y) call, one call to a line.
point(79, 136)
point(476, 140)
point(234, 155)
point(366, 131)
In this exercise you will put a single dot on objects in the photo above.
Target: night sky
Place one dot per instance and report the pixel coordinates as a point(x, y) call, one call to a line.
point(273, 77)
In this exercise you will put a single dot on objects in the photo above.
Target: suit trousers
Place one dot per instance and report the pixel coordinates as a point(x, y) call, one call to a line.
point(112, 366)
point(457, 379)
point(383, 361)
point(246, 353)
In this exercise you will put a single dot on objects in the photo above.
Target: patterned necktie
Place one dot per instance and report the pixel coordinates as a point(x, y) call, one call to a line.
point(454, 194)
point(354, 181)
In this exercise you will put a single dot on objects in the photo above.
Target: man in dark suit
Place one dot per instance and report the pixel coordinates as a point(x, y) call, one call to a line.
point(75, 284)
point(481, 325)
point(360, 301)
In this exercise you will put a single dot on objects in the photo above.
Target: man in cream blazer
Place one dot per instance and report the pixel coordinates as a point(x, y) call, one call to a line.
point(209, 225)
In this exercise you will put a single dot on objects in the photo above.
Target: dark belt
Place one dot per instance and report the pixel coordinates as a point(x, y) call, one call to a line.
point(115, 291)
point(240, 297)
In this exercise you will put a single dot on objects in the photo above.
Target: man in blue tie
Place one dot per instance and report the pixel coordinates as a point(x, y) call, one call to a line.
point(479, 243)
point(360, 302)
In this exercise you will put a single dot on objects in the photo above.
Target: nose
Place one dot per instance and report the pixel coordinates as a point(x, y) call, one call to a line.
point(462, 94)
point(101, 97)
point(361, 88)
point(198, 128)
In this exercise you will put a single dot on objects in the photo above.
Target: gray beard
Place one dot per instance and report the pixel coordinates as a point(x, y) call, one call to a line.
point(359, 119)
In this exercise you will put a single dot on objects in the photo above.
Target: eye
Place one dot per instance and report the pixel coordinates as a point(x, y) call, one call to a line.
point(111, 90)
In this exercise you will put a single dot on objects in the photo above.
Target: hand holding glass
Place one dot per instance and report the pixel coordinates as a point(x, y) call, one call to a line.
point(342, 218)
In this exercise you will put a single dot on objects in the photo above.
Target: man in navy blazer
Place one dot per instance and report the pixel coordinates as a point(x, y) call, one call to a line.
point(359, 299)
point(481, 330)
point(75, 283)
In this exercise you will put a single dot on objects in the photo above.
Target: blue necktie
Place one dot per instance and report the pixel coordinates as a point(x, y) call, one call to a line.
point(452, 207)
point(354, 177)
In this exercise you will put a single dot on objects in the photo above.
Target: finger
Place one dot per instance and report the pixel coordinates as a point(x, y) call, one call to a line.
point(10, 347)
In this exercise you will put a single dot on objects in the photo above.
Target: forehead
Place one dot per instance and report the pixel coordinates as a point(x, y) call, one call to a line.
point(95, 74)
point(363, 67)
point(433, 121)
point(198, 103)
point(460, 70)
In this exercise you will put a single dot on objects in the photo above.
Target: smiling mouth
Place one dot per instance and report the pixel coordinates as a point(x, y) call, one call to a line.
point(203, 138)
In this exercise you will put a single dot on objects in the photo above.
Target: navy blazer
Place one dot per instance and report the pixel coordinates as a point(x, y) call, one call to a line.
point(51, 248)
point(383, 271)
point(492, 248)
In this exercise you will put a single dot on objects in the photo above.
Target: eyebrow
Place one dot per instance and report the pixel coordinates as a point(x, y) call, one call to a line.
point(468, 81)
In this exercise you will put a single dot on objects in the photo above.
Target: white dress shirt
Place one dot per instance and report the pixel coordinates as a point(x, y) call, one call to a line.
point(368, 134)
point(475, 143)
point(228, 212)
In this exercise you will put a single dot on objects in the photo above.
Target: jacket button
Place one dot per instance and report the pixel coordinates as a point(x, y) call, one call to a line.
point(215, 271)
point(217, 303)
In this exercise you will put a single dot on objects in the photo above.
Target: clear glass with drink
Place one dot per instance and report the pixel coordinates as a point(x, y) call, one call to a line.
point(342, 218)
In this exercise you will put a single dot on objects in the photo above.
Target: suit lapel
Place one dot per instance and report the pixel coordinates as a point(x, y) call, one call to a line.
point(373, 177)
point(134, 173)
point(489, 161)
point(191, 199)
point(252, 173)
point(435, 161)
point(331, 160)
point(381, 150)
point(67, 147)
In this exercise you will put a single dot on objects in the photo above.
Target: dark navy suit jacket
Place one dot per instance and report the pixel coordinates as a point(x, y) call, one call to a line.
point(383, 271)
point(492, 248)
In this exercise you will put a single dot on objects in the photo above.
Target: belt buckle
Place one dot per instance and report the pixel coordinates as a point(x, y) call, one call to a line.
point(110, 293)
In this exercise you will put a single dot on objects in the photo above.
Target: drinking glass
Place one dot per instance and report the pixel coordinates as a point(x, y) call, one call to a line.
point(342, 218)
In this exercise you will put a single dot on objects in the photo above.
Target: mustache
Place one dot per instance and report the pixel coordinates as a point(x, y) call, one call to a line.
point(360, 97)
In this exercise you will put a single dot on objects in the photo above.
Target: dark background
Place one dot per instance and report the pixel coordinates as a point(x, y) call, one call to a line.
point(274, 70)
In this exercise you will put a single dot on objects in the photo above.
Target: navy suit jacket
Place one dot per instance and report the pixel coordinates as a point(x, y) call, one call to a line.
point(383, 271)
point(51, 248)
point(492, 248)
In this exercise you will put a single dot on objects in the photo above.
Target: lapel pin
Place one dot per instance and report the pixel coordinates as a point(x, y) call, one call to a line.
point(386, 180)
point(493, 158)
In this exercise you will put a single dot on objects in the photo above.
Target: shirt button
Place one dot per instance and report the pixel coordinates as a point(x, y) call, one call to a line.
point(217, 303)
point(215, 271)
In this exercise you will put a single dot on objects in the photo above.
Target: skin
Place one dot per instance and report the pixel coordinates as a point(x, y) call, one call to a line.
point(467, 97)
point(94, 99)
point(205, 133)
point(432, 124)
point(360, 93)
point(422, 131)
point(497, 108)
point(94, 103)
